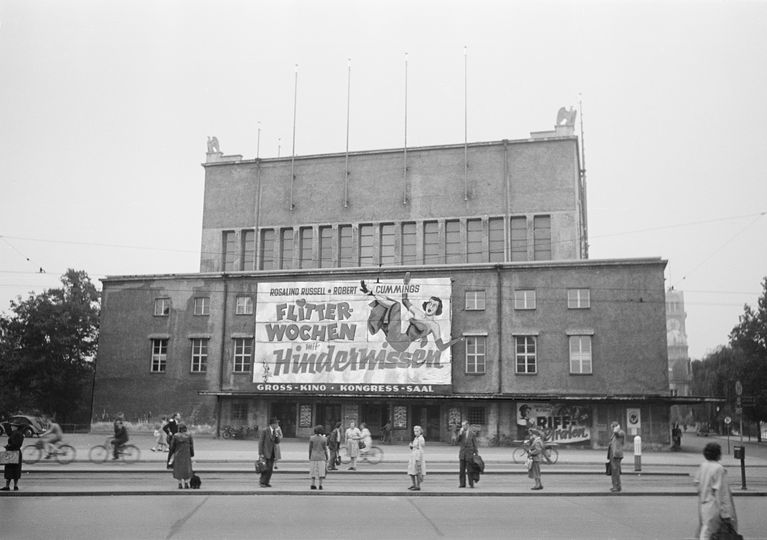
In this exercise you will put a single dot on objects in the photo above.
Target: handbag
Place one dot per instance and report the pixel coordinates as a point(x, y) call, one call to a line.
point(362, 444)
point(726, 532)
point(9, 458)
point(261, 466)
point(338, 460)
point(529, 463)
point(608, 469)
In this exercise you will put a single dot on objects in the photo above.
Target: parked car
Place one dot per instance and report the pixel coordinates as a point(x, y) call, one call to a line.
point(30, 425)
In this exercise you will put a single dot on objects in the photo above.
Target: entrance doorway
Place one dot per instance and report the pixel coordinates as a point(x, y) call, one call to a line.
point(375, 415)
point(328, 414)
point(427, 416)
point(286, 413)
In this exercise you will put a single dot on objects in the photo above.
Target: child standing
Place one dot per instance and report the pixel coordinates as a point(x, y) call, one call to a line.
point(159, 436)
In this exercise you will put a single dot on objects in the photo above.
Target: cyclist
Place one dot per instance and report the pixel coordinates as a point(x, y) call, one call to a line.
point(367, 438)
point(51, 439)
point(121, 436)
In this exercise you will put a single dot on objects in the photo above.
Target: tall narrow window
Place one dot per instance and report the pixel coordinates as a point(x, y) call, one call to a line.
point(286, 256)
point(267, 249)
point(524, 299)
point(230, 251)
point(307, 243)
point(519, 238)
point(580, 355)
point(159, 355)
point(346, 246)
point(474, 240)
point(525, 354)
point(387, 245)
point(542, 237)
point(431, 243)
point(453, 251)
point(326, 247)
point(248, 250)
point(202, 305)
point(199, 355)
point(496, 239)
point(243, 351)
point(475, 354)
point(366, 245)
point(578, 299)
point(409, 251)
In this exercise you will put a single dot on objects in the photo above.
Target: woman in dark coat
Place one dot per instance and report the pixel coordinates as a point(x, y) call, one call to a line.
point(13, 470)
point(182, 452)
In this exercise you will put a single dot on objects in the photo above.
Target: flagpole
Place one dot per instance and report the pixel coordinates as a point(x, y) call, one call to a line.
point(258, 140)
point(348, 108)
point(293, 157)
point(465, 127)
point(404, 180)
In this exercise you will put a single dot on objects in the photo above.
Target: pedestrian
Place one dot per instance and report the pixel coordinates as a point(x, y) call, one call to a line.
point(334, 445)
point(715, 504)
point(467, 448)
point(615, 455)
point(353, 436)
point(416, 467)
point(277, 449)
point(159, 437)
point(170, 429)
point(318, 456)
point(534, 453)
point(121, 436)
point(367, 438)
point(453, 427)
point(181, 453)
point(13, 470)
point(386, 435)
point(267, 442)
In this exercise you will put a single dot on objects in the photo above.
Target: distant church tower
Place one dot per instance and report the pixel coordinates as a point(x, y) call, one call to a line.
point(679, 371)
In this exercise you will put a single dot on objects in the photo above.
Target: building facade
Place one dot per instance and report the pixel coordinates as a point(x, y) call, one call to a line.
point(422, 286)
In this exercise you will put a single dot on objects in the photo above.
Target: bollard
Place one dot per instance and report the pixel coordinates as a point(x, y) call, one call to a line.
point(637, 453)
point(740, 453)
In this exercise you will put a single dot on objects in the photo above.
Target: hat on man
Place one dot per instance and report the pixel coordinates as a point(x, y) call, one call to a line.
point(274, 420)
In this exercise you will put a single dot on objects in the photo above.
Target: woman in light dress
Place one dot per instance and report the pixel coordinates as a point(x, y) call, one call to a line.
point(318, 456)
point(416, 467)
point(367, 438)
point(715, 504)
point(353, 436)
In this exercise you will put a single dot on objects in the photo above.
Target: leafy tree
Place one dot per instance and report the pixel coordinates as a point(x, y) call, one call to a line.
point(47, 348)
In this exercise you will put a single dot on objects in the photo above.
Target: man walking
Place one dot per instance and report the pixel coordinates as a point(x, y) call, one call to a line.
point(266, 450)
point(615, 455)
point(467, 448)
point(334, 445)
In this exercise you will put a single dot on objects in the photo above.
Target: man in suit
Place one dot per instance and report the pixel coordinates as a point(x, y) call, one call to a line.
point(266, 442)
point(615, 455)
point(467, 447)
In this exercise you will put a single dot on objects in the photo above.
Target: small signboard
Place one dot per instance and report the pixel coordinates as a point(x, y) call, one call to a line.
point(727, 420)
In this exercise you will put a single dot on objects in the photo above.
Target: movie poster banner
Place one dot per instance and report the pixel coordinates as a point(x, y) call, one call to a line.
point(346, 337)
point(561, 423)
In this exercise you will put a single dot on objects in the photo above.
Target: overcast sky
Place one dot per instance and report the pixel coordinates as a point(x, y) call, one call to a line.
point(105, 108)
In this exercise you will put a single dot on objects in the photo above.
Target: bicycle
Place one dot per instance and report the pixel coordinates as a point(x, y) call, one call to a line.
point(126, 452)
point(374, 456)
point(63, 453)
point(551, 454)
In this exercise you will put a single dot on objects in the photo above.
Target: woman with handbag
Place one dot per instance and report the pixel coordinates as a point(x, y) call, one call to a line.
point(534, 453)
point(181, 454)
point(353, 437)
point(13, 470)
point(416, 467)
point(716, 509)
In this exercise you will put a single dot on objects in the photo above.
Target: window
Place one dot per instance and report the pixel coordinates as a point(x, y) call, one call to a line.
point(243, 351)
point(580, 354)
point(230, 251)
point(476, 416)
point(346, 245)
point(475, 300)
point(199, 355)
point(387, 245)
point(519, 238)
point(240, 410)
point(431, 243)
point(366, 245)
point(244, 306)
point(409, 252)
point(202, 305)
point(453, 251)
point(495, 239)
point(286, 257)
point(578, 299)
point(542, 237)
point(162, 307)
point(305, 250)
point(159, 355)
point(475, 354)
point(474, 240)
point(525, 354)
point(248, 250)
point(326, 247)
point(524, 299)
point(267, 249)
